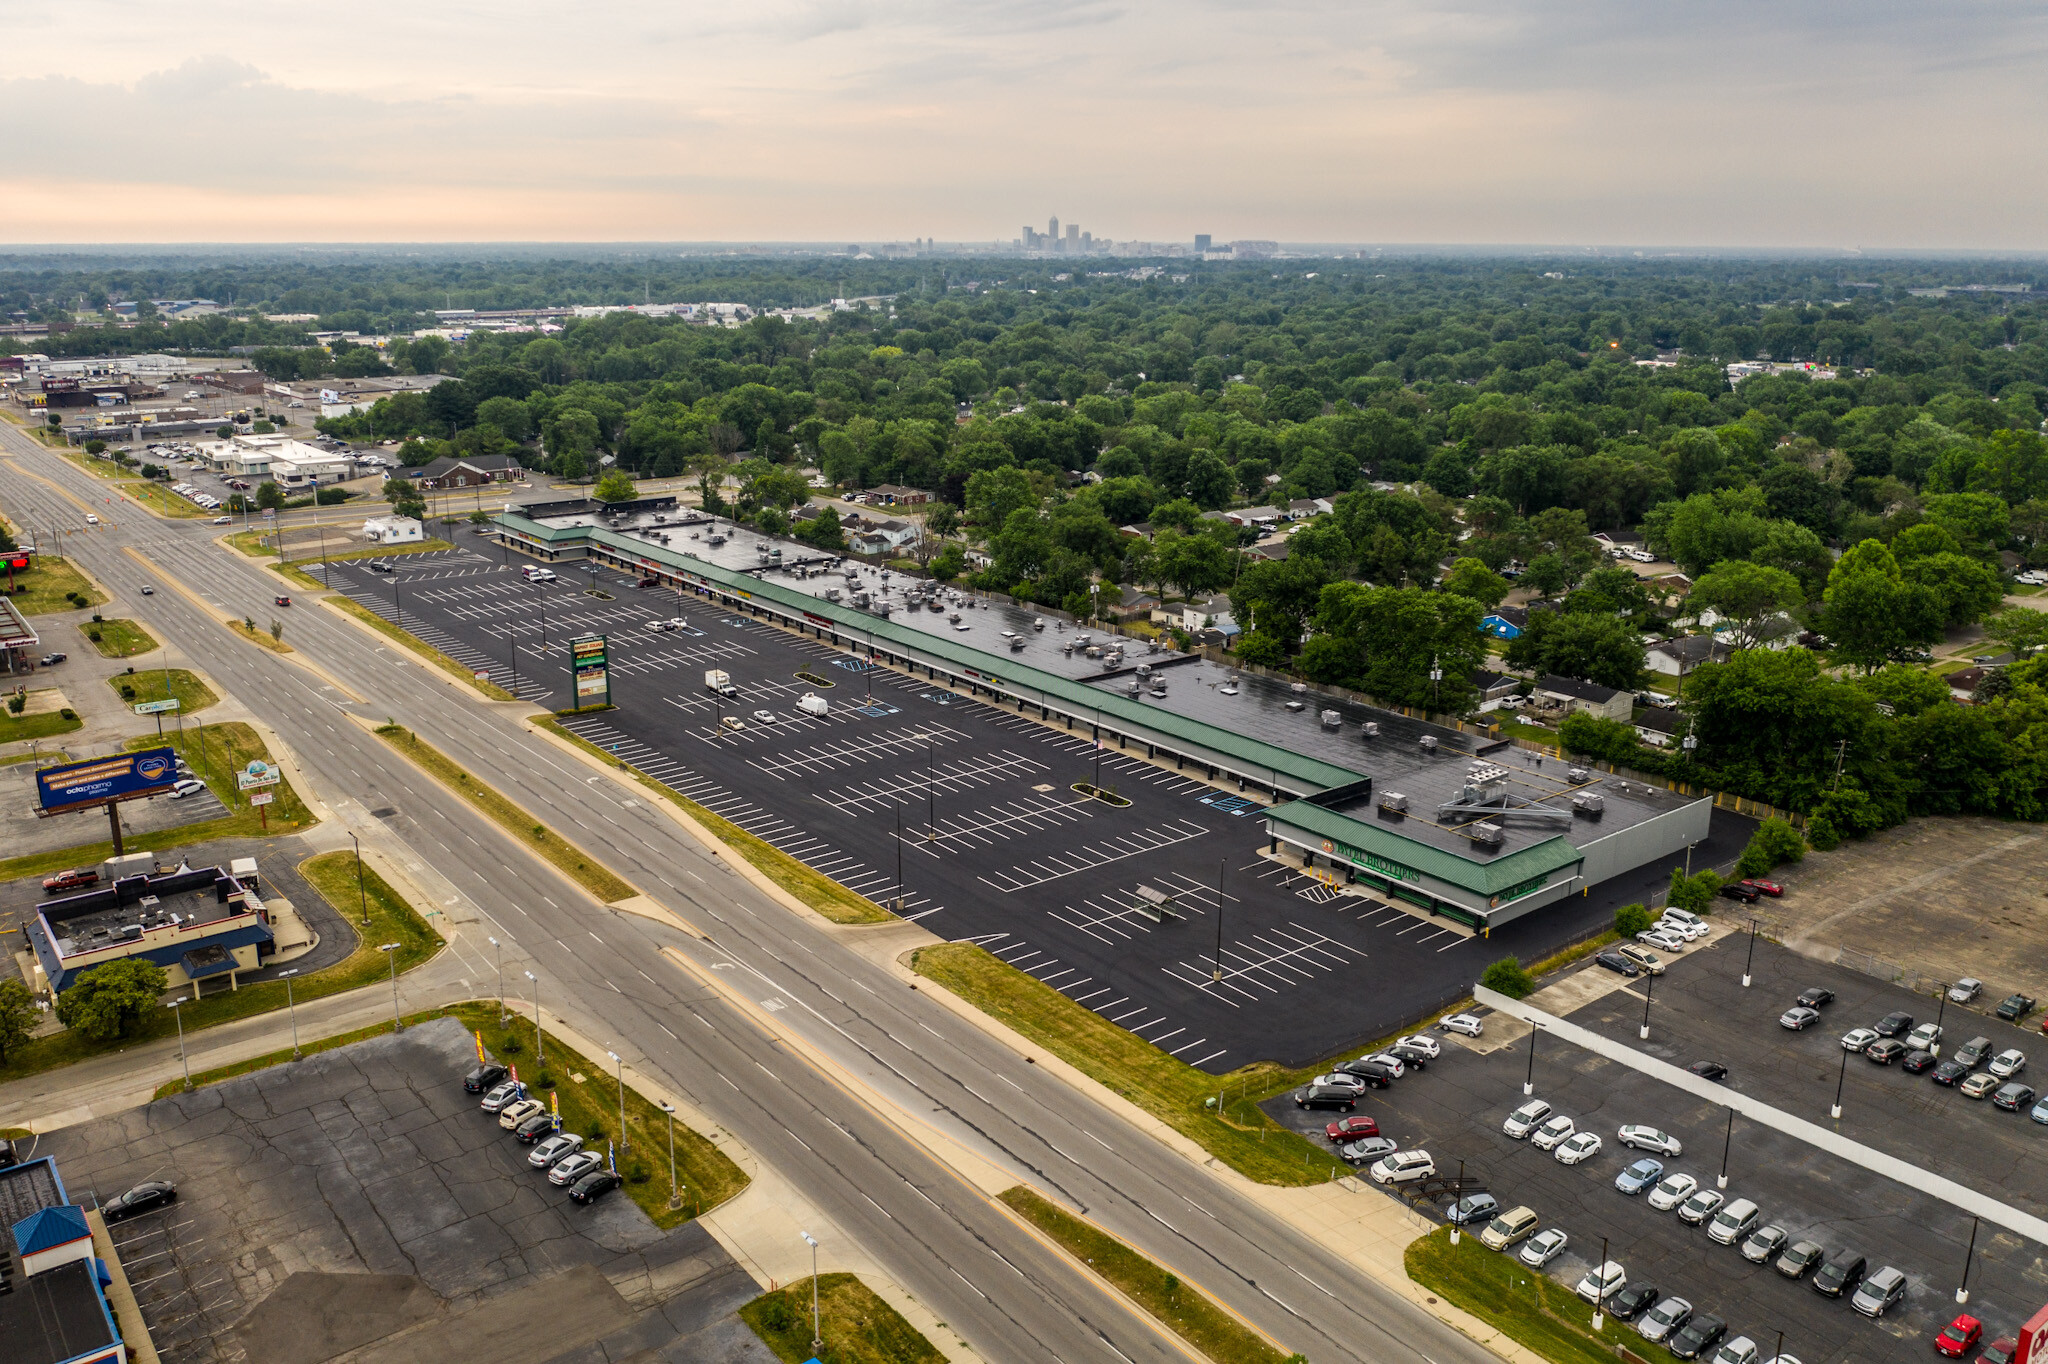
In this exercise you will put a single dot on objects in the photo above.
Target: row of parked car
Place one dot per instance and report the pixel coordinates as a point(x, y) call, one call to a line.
point(1917, 1050)
point(561, 1154)
point(1347, 1082)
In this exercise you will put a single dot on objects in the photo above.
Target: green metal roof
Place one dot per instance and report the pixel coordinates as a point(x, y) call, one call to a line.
point(1254, 755)
point(1489, 877)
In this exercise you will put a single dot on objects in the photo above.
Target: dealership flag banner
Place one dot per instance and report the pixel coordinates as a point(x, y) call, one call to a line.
point(480, 1047)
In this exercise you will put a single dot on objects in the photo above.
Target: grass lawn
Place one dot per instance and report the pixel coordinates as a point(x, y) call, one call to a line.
point(417, 645)
point(118, 638)
point(820, 892)
point(1189, 1314)
point(14, 727)
point(391, 920)
point(589, 1098)
point(43, 588)
point(1536, 734)
point(257, 544)
point(1242, 1137)
point(572, 861)
point(856, 1326)
point(160, 684)
point(1506, 1294)
point(260, 635)
point(161, 500)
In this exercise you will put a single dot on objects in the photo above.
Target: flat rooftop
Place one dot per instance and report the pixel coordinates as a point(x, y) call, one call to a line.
point(97, 917)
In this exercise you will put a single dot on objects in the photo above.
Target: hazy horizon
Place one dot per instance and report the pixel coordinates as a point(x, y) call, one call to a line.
point(1888, 129)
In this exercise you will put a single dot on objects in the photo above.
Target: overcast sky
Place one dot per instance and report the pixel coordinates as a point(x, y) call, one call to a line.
point(1875, 124)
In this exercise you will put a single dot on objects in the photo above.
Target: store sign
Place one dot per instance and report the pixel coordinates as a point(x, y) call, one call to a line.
point(156, 707)
point(587, 661)
point(263, 798)
point(1372, 862)
point(1517, 892)
point(258, 774)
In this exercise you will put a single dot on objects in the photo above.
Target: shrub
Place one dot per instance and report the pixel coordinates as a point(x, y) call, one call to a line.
point(104, 1001)
point(93, 635)
point(127, 692)
point(776, 1314)
point(1630, 920)
point(17, 703)
point(1774, 842)
point(1509, 978)
point(1695, 892)
point(68, 713)
point(97, 618)
point(1822, 834)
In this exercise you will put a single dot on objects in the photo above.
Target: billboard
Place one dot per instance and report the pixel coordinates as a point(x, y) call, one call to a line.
point(587, 662)
point(98, 780)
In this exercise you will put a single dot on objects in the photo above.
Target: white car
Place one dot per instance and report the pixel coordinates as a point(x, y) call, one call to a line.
point(1642, 556)
point(2008, 1063)
point(1546, 1137)
point(185, 788)
point(1650, 1139)
point(1965, 990)
point(1602, 1283)
point(1690, 930)
point(1390, 1061)
point(1583, 1146)
point(1926, 1037)
point(1735, 1221)
point(1523, 1120)
point(518, 1111)
point(1661, 1321)
point(1428, 1046)
point(1468, 1025)
point(1403, 1167)
point(766, 717)
point(1663, 939)
point(223, 520)
point(1703, 1204)
point(1675, 1189)
point(1338, 1079)
point(1544, 1247)
point(1741, 1350)
point(91, 519)
point(551, 1149)
point(1858, 1039)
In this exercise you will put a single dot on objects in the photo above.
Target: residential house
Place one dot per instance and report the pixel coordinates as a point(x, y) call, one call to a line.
point(1660, 726)
point(895, 495)
point(1505, 622)
point(867, 535)
point(468, 471)
point(1301, 508)
point(1493, 687)
point(1265, 518)
point(1574, 693)
point(1210, 614)
point(1963, 684)
point(1678, 657)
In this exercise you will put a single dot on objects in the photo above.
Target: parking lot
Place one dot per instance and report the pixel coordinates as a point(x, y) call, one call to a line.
point(359, 1201)
point(996, 845)
point(1699, 1011)
point(22, 832)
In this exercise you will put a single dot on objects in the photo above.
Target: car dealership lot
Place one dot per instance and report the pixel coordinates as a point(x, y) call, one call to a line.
point(1456, 1107)
point(996, 845)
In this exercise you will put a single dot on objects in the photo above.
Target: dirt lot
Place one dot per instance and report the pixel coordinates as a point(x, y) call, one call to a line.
point(1934, 898)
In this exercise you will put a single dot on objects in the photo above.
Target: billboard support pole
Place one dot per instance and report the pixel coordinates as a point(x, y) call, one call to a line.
point(114, 823)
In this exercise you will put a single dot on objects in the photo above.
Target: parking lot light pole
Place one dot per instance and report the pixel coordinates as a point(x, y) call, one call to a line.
point(817, 1336)
point(1460, 1195)
point(291, 1007)
point(622, 1098)
point(1840, 1080)
point(1749, 960)
point(1963, 1293)
point(675, 1190)
point(1781, 1349)
point(1529, 1080)
point(1940, 1006)
point(1600, 1290)
point(390, 949)
point(499, 948)
point(177, 1014)
point(1726, 1142)
point(1649, 986)
point(540, 1054)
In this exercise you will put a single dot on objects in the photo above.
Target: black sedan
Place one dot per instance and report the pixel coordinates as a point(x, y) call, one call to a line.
point(1709, 1070)
point(534, 1128)
point(1916, 1062)
point(595, 1185)
point(1698, 1337)
point(483, 1077)
point(142, 1198)
point(1819, 997)
point(1614, 961)
point(1737, 890)
point(1631, 1302)
point(1950, 1073)
point(1893, 1024)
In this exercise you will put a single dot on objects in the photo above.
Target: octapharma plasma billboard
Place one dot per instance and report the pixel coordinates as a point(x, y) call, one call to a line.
point(98, 780)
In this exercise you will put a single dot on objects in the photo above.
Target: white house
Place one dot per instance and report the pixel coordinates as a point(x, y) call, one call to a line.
point(393, 530)
point(1213, 613)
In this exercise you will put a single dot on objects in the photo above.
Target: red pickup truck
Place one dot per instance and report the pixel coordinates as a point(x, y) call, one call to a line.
point(70, 880)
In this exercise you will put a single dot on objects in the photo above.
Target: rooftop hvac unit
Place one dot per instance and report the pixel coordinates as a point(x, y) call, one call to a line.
point(1332, 719)
point(1298, 688)
point(1393, 802)
point(1429, 743)
point(1589, 804)
point(1371, 729)
point(1487, 834)
point(1577, 774)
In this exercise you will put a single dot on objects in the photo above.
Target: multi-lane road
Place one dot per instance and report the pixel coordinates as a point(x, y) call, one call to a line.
point(864, 1152)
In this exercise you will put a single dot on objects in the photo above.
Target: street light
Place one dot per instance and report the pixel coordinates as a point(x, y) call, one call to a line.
point(622, 1098)
point(362, 896)
point(1840, 1080)
point(817, 1337)
point(675, 1190)
point(291, 1007)
point(1749, 960)
point(175, 1013)
point(1600, 1290)
point(1529, 1080)
point(1649, 984)
point(540, 1057)
point(390, 949)
point(1727, 1141)
point(501, 980)
point(1963, 1293)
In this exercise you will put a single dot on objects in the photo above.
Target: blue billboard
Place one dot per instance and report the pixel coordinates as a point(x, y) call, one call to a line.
point(98, 780)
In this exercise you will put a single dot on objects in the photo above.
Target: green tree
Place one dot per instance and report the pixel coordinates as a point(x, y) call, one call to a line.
point(1630, 920)
point(1594, 648)
point(2019, 628)
point(405, 497)
point(269, 497)
point(1774, 841)
point(1965, 589)
point(616, 486)
point(994, 494)
point(1694, 893)
point(18, 1015)
point(1507, 976)
point(509, 415)
point(950, 563)
point(823, 530)
point(1473, 580)
point(103, 1002)
point(1871, 614)
point(1750, 600)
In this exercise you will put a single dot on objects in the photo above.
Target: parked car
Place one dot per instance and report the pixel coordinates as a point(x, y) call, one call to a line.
point(1972, 1053)
point(1856, 1039)
point(52, 660)
point(1403, 1167)
point(1525, 1119)
point(2000, 1351)
point(1632, 1301)
point(1412, 1057)
point(1543, 1247)
point(1895, 1024)
point(2012, 1096)
point(71, 880)
point(573, 1167)
point(157, 1193)
point(1770, 888)
point(2015, 1006)
point(1644, 959)
point(189, 787)
point(1478, 1207)
point(1662, 939)
point(1617, 963)
point(1428, 1046)
point(594, 1186)
point(500, 1094)
point(1926, 1037)
point(1880, 1292)
point(1703, 1204)
point(483, 1077)
point(1884, 1051)
point(1760, 1245)
point(1697, 1337)
point(1351, 1129)
point(1574, 1149)
point(1799, 1258)
point(1673, 1190)
point(1638, 1176)
point(1366, 1073)
point(1637, 1137)
point(2008, 1063)
point(1326, 1096)
point(1917, 1062)
point(1387, 1061)
point(1665, 1318)
point(1734, 1222)
point(1547, 1137)
point(1949, 1072)
point(1798, 1018)
point(1367, 1149)
point(1510, 1228)
point(1815, 997)
point(518, 1111)
point(534, 1128)
point(1339, 1079)
point(1741, 1350)
point(548, 1150)
point(1741, 890)
point(1960, 1336)
point(1467, 1025)
point(1709, 1070)
point(1965, 990)
point(1600, 1284)
point(1842, 1272)
point(1978, 1085)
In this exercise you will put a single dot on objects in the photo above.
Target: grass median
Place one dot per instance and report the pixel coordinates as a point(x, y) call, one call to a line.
point(164, 684)
point(1240, 1134)
point(573, 862)
point(1523, 1304)
point(119, 638)
point(1188, 1313)
point(856, 1326)
point(43, 725)
point(391, 920)
point(417, 645)
point(52, 584)
point(820, 892)
point(247, 628)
